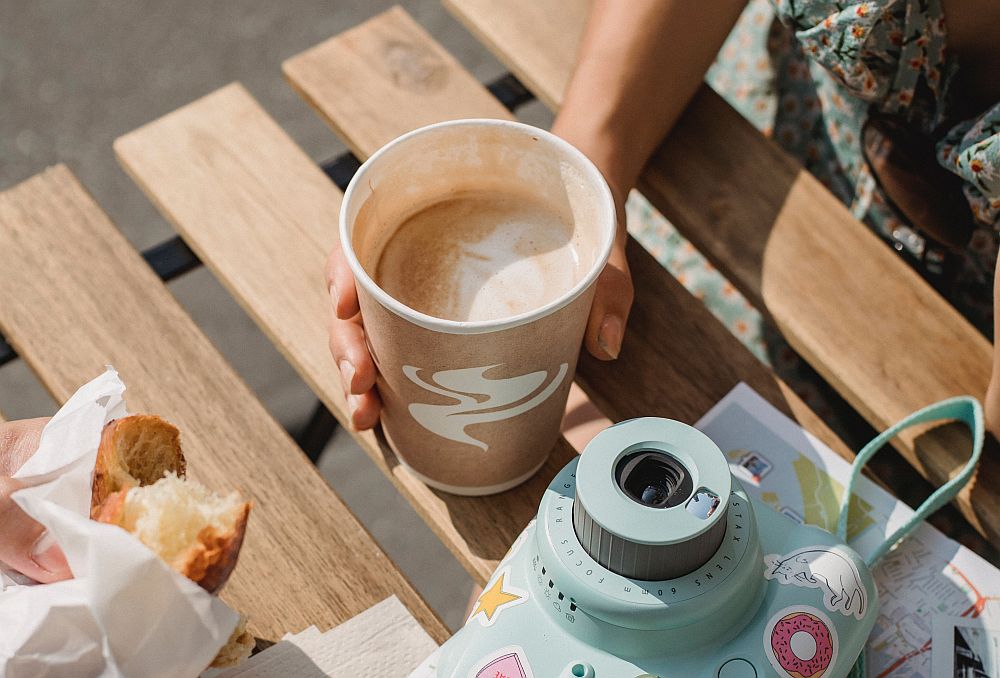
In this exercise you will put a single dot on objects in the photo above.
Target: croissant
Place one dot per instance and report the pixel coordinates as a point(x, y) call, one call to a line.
point(139, 485)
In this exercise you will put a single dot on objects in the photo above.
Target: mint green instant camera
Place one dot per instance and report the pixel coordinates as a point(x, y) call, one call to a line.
point(648, 559)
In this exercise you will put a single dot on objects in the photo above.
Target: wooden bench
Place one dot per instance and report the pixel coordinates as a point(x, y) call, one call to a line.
point(262, 216)
point(865, 321)
point(77, 297)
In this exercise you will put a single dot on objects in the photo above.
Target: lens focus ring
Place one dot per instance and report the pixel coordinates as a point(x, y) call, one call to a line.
point(651, 499)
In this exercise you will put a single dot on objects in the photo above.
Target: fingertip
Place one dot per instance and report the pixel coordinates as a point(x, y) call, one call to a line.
point(364, 409)
point(594, 349)
point(345, 305)
point(604, 337)
point(353, 403)
point(347, 372)
point(609, 336)
point(347, 345)
point(610, 309)
point(51, 563)
point(364, 372)
point(344, 295)
point(340, 284)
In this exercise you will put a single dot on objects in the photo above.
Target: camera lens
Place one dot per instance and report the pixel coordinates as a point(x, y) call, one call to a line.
point(654, 479)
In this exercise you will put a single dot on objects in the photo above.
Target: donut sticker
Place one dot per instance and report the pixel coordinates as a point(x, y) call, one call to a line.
point(801, 642)
point(509, 662)
point(820, 567)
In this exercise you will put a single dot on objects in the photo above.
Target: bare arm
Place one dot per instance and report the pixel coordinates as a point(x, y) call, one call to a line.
point(640, 62)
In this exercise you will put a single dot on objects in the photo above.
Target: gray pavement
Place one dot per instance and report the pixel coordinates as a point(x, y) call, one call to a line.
point(76, 74)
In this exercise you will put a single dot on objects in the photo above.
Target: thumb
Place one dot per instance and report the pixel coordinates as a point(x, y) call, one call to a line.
point(24, 544)
point(612, 302)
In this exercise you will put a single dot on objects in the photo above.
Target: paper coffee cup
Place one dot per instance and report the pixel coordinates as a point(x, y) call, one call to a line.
point(473, 406)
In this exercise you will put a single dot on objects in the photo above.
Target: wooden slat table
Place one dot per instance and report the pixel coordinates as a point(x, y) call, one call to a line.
point(865, 321)
point(672, 338)
point(77, 297)
point(261, 215)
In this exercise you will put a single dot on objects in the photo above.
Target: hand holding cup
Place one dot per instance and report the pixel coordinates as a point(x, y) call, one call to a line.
point(603, 337)
point(473, 250)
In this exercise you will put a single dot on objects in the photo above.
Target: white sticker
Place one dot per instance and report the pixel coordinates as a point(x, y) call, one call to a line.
point(518, 543)
point(801, 641)
point(820, 567)
point(499, 595)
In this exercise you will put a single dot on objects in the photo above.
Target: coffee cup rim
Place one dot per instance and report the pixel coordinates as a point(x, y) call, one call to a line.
point(430, 322)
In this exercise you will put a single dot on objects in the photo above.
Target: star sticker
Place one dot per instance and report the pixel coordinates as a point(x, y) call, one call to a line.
point(496, 598)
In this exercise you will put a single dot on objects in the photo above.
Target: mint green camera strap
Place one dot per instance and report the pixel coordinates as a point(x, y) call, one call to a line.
point(963, 408)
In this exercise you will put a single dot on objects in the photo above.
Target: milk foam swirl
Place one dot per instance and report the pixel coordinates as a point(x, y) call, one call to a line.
point(482, 255)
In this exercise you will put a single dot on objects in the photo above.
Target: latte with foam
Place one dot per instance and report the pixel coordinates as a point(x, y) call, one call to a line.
point(476, 246)
point(483, 255)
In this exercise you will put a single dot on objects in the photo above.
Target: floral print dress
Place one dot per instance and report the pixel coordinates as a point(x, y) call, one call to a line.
point(807, 73)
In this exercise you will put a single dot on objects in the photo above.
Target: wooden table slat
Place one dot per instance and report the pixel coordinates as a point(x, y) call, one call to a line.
point(866, 322)
point(383, 62)
point(245, 198)
point(670, 362)
point(76, 297)
point(670, 365)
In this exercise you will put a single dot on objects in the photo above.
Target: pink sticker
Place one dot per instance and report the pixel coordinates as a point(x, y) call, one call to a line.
point(801, 642)
point(509, 664)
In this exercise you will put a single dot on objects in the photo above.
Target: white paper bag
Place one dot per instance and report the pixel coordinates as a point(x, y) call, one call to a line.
point(125, 613)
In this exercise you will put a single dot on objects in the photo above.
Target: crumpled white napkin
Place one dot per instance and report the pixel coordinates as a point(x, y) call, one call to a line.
point(384, 641)
point(125, 613)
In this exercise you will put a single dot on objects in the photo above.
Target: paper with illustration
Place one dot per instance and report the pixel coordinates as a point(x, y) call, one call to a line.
point(929, 577)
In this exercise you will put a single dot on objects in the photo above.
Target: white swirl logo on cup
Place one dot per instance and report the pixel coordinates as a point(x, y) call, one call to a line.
point(498, 399)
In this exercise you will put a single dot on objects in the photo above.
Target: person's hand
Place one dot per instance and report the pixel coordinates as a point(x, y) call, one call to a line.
point(614, 293)
point(347, 343)
point(24, 544)
point(991, 403)
point(613, 296)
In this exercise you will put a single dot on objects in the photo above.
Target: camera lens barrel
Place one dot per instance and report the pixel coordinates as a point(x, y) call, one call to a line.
point(647, 562)
point(651, 499)
point(654, 478)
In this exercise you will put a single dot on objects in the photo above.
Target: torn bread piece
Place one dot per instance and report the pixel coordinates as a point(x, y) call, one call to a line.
point(139, 485)
point(195, 531)
point(134, 451)
point(237, 648)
